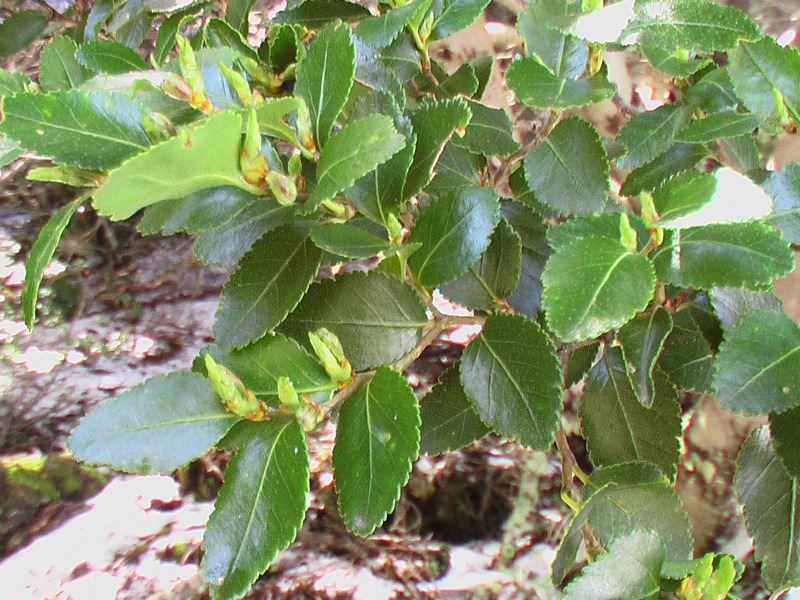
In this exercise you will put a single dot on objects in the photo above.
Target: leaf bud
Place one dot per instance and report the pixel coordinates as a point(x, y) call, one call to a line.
point(287, 394)
point(235, 396)
point(295, 166)
point(309, 414)
point(395, 229)
point(329, 350)
point(239, 84)
point(627, 234)
point(192, 74)
point(304, 130)
point(283, 188)
point(251, 162)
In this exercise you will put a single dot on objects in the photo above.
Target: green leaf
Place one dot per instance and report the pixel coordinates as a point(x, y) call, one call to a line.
point(169, 6)
point(167, 31)
point(493, 277)
point(379, 32)
point(462, 82)
point(41, 253)
point(348, 241)
point(221, 34)
point(681, 157)
point(785, 428)
point(434, 124)
point(271, 279)
point(564, 55)
point(489, 132)
point(527, 296)
point(713, 92)
point(10, 150)
point(758, 68)
point(19, 29)
point(13, 82)
point(749, 255)
point(730, 303)
point(377, 318)
point(449, 421)
point(683, 194)
point(740, 153)
point(511, 374)
point(130, 24)
point(315, 14)
point(568, 170)
point(237, 13)
point(455, 16)
point(688, 24)
point(456, 168)
point(377, 438)
point(454, 231)
point(593, 285)
point(325, 76)
point(557, 14)
point(668, 63)
point(648, 134)
point(580, 360)
point(226, 244)
point(601, 225)
point(260, 506)
point(94, 131)
point(618, 428)
point(642, 340)
point(687, 358)
point(154, 427)
point(631, 569)
point(106, 56)
point(725, 124)
point(758, 365)
point(352, 152)
point(770, 497)
point(59, 68)
point(783, 186)
point(535, 86)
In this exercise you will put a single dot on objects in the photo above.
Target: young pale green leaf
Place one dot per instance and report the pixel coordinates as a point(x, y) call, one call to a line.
point(260, 506)
point(535, 86)
point(94, 131)
point(379, 32)
point(200, 157)
point(565, 55)
point(348, 241)
point(226, 244)
point(681, 157)
point(730, 303)
point(377, 318)
point(593, 285)
point(749, 255)
point(59, 68)
point(19, 29)
point(618, 428)
point(631, 569)
point(449, 421)
point(686, 357)
point(41, 253)
point(642, 340)
point(377, 438)
point(758, 68)
point(725, 124)
point(455, 16)
point(325, 76)
point(315, 14)
point(434, 124)
point(154, 427)
point(568, 170)
point(493, 277)
point(106, 56)
point(196, 212)
point(454, 231)
point(770, 497)
point(758, 365)
point(783, 186)
point(694, 25)
point(271, 279)
point(683, 194)
point(352, 152)
point(784, 428)
point(527, 296)
point(489, 132)
point(648, 134)
point(511, 374)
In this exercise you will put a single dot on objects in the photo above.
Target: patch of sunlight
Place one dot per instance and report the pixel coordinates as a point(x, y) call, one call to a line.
point(38, 361)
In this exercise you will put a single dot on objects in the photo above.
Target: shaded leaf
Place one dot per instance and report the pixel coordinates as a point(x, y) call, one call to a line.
point(345, 240)
point(315, 14)
point(379, 32)
point(671, 64)
point(783, 186)
point(106, 56)
point(13, 82)
point(457, 167)
point(527, 296)
point(222, 34)
point(642, 339)
point(154, 427)
point(237, 13)
point(785, 428)
point(455, 16)
point(19, 29)
point(565, 55)
point(600, 225)
point(681, 157)
point(730, 303)
point(580, 360)
point(648, 134)
point(535, 86)
point(489, 131)
point(271, 279)
point(377, 438)
point(10, 151)
point(59, 68)
point(725, 124)
point(686, 357)
point(683, 194)
point(511, 374)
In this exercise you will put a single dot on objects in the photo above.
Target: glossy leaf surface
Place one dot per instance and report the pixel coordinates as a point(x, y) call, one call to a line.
point(535, 86)
point(345, 240)
point(642, 339)
point(648, 134)
point(105, 56)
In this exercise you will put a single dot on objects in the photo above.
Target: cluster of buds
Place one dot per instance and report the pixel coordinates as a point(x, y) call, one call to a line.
point(190, 85)
point(709, 581)
point(329, 350)
point(307, 412)
point(257, 172)
point(235, 396)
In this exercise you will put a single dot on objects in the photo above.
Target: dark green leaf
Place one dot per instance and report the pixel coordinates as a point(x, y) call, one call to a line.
point(463, 82)
point(348, 241)
point(325, 76)
point(373, 72)
point(642, 339)
point(456, 168)
point(41, 253)
point(379, 32)
point(154, 427)
point(758, 365)
point(631, 569)
point(106, 56)
point(377, 318)
point(593, 285)
point(783, 186)
point(19, 29)
point(683, 194)
point(580, 361)
point(449, 421)
point(600, 225)
point(95, 131)
point(565, 55)
point(740, 153)
point(271, 279)
point(648, 134)
point(222, 34)
point(434, 124)
point(568, 170)
point(770, 497)
point(377, 438)
point(59, 68)
point(527, 296)
point(352, 152)
point(724, 124)
point(689, 24)
point(455, 16)
point(170, 6)
point(714, 92)
point(315, 14)
point(511, 374)
point(785, 428)
point(260, 507)
point(489, 132)
point(196, 212)
point(130, 24)
point(670, 64)
point(237, 13)
point(282, 47)
point(618, 428)
point(226, 244)
point(493, 277)
point(748, 255)
point(687, 358)
point(10, 150)
point(681, 157)
point(535, 86)
point(730, 303)
point(454, 231)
